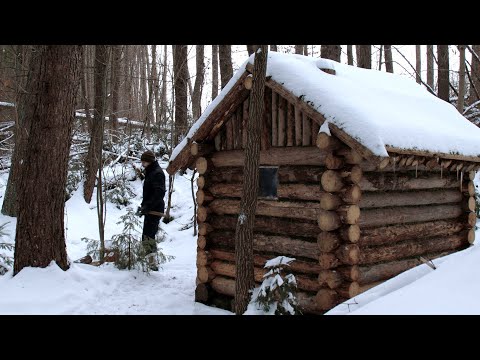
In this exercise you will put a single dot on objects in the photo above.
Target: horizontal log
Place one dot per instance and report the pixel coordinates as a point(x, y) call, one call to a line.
point(349, 214)
point(296, 266)
point(348, 290)
point(331, 278)
point(348, 254)
point(286, 174)
point(365, 287)
point(411, 248)
point(429, 154)
point(201, 149)
point(373, 273)
point(203, 196)
point(396, 233)
point(327, 241)
point(326, 142)
point(284, 191)
point(329, 201)
point(350, 156)
point(286, 209)
point(201, 182)
point(327, 260)
point(326, 299)
point(350, 233)
point(409, 214)
point(228, 269)
point(204, 228)
point(351, 194)
point(201, 241)
point(223, 285)
point(203, 257)
point(270, 225)
point(333, 162)
point(422, 197)
point(202, 293)
point(281, 245)
point(349, 273)
point(205, 273)
point(276, 156)
point(391, 181)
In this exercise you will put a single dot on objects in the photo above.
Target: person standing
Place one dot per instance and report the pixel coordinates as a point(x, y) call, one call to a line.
point(152, 206)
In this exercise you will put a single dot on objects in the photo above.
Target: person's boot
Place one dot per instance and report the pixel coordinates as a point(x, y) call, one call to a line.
point(152, 261)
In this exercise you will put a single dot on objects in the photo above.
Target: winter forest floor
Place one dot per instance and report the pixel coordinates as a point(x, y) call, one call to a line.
point(452, 288)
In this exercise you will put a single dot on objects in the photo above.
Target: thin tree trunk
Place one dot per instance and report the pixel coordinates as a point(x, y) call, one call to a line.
point(331, 52)
point(199, 78)
point(156, 84)
point(299, 49)
point(49, 109)
point(388, 58)
point(116, 58)
point(214, 71)
point(250, 49)
point(350, 54)
point(364, 56)
point(418, 63)
point(430, 66)
point(248, 204)
point(461, 80)
point(273, 48)
point(164, 87)
point(180, 86)
point(475, 73)
point(226, 68)
point(88, 120)
point(380, 58)
point(305, 50)
point(443, 72)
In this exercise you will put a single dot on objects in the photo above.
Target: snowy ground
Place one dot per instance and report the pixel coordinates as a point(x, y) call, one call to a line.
point(85, 289)
point(453, 288)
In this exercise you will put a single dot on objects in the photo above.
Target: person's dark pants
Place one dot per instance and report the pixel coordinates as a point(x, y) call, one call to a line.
point(150, 228)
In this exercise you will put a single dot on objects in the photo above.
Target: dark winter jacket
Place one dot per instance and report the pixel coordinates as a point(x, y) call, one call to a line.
point(153, 189)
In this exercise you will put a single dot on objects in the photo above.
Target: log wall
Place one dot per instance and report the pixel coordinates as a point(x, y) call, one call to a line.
point(349, 223)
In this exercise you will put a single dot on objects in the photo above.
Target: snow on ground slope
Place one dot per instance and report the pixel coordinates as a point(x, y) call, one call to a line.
point(85, 289)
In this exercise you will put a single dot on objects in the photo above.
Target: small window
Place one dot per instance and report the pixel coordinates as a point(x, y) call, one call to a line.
point(268, 182)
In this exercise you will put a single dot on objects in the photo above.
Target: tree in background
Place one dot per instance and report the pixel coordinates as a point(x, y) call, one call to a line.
point(350, 54)
point(461, 79)
point(331, 52)
point(199, 79)
point(388, 58)
point(364, 56)
point(226, 68)
point(443, 72)
point(248, 203)
point(214, 71)
point(418, 63)
point(430, 66)
point(48, 107)
point(180, 88)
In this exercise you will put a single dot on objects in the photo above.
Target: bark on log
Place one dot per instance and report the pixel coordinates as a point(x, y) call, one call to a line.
point(352, 174)
point(389, 181)
point(286, 174)
point(274, 118)
point(327, 261)
point(331, 278)
point(268, 225)
point(330, 201)
point(422, 197)
point(306, 130)
point(281, 121)
point(396, 233)
point(298, 126)
point(349, 273)
point(327, 241)
point(201, 293)
point(410, 214)
point(350, 233)
point(351, 194)
point(349, 214)
point(281, 245)
point(278, 156)
point(348, 254)
point(223, 285)
point(333, 162)
point(228, 269)
point(290, 125)
point(286, 209)
point(412, 248)
point(350, 156)
point(203, 257)
point(332, 181)
point(296, 266)
point(284, 191)
point(348, 290)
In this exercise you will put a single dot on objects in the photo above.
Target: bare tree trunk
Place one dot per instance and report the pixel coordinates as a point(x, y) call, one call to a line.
point(305, 50)
point(443, 72)
point(461, 80)
point(299, 49)
point(430, 66)
point(92, 159)
point(199, 78)
point(180, 86)
point(248, 204)
point(331, 52)
point(273, 48)
point(364, 56)
point(214, 71)
point(475, 73)
point(350, 54)
point(116, 58)
point(250, 50)
point(22, 124)
point(380, 58)
point(418, 63)
point(388, 58)
point(164, 87)
point(226, 68)
point(155, 84)
point(50, 109)
point(88, 120)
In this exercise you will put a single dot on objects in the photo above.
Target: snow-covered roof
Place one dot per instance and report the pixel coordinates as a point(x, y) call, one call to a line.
point(378, 110)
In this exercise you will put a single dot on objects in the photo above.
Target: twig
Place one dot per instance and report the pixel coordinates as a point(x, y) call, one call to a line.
point(428, 262)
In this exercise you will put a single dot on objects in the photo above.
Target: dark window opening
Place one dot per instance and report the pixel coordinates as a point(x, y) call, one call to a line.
point(268, 182)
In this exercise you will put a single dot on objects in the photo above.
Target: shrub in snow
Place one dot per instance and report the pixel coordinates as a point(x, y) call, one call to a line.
point(277, 293)
point(129, 245)
point(6, 261)
point(120, 192)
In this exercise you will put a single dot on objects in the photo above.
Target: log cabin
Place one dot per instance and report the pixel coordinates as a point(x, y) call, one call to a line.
point(363, 175)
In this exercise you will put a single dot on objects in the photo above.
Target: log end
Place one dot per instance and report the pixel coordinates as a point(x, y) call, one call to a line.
point(326, 299)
